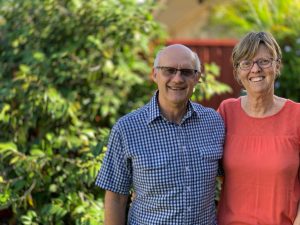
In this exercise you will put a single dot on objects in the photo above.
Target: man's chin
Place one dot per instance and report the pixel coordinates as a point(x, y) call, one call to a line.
point(178, 101)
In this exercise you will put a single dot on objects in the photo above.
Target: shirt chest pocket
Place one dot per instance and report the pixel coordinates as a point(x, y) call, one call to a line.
point(154, 172)
point(209, 155)
point(151, 162)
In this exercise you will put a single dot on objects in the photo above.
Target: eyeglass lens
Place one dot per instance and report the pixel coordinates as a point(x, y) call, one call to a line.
point(169, 71)
point(262, 63)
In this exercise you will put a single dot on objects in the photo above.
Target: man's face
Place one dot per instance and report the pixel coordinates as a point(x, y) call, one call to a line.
point(175, 90)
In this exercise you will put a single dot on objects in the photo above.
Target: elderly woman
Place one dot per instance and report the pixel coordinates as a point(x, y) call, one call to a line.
point(262, 148)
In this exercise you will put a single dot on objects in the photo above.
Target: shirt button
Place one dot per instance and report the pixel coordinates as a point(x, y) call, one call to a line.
point(187, 168)
point(189, 188)
point(183, 148)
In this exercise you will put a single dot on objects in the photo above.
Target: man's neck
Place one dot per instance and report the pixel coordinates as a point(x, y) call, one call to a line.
point(174, 113)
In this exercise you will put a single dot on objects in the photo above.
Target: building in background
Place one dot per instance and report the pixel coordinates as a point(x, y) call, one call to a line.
point(188, 22)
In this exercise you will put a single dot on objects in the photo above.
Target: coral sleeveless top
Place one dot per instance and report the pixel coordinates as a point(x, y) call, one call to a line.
point(261, 164)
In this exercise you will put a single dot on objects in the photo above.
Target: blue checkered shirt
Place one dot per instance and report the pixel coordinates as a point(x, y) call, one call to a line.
point(171, 167)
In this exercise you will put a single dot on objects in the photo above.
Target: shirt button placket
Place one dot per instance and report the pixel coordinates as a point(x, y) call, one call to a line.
point(185, 156)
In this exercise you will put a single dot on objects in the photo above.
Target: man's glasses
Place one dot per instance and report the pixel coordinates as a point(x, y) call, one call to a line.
point(262, 63)
point(171, 71)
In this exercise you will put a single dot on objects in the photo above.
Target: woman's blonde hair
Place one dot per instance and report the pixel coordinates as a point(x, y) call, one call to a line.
point(248, 47)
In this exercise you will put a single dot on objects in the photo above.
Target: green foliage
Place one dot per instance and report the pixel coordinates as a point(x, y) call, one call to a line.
point(279, 17)
point(67, 68)
point(209, 85)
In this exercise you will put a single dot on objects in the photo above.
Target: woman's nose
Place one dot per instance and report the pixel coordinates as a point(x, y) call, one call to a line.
point(255, 67)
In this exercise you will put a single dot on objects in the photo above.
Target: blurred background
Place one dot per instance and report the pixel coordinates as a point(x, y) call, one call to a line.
point(70, 68)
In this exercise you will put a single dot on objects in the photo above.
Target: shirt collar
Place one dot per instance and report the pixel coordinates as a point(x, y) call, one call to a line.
point(154, 111)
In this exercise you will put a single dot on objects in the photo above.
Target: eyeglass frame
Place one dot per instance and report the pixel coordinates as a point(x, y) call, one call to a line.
point(257, 63)
point(176, 70)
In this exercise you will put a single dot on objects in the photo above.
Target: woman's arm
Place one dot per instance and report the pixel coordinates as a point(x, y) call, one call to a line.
point(297, 219)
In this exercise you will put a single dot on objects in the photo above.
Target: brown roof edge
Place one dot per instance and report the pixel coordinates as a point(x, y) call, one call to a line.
point(203, 42)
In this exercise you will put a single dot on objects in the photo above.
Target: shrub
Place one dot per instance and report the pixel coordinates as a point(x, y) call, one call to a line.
point(66, 69)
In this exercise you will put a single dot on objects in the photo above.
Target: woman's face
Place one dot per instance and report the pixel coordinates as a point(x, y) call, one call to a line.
point(258, 75)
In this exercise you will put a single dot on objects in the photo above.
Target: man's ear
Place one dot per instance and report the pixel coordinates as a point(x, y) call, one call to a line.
point(197, 78)
point(154, 71)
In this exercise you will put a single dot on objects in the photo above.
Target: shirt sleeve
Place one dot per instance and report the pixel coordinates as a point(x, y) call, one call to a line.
point(115, 173)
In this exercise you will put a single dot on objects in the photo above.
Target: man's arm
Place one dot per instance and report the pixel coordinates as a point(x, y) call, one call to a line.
point(115, 208)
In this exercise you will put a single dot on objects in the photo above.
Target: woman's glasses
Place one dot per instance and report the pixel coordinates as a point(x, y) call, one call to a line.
point(262, 63)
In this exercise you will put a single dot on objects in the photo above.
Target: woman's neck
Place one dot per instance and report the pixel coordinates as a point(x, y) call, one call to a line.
point(262, 106)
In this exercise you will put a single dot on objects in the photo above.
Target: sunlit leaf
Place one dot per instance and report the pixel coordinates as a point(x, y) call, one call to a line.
point(37, 152)
point(8, 146)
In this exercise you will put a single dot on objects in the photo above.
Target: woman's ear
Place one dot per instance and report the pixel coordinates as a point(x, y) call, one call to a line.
point(236, 76)
point(278, 67)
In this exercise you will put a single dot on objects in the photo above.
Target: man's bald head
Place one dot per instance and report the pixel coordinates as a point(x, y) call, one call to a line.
point(175, 49)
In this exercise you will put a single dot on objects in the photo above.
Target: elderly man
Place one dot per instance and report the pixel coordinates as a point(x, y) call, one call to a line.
point(167, 152)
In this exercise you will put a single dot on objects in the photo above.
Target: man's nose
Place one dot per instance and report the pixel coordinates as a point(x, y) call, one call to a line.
point(178, 76)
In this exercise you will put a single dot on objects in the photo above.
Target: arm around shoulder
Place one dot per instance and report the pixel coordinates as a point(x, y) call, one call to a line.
point(115, 208)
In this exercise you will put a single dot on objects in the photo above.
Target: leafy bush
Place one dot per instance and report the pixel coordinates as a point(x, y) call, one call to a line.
point(67, 68)
point(209, 85)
